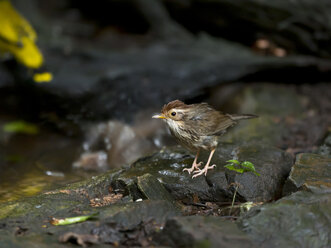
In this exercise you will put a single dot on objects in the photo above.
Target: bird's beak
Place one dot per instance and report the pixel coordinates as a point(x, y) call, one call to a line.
point(159, 116)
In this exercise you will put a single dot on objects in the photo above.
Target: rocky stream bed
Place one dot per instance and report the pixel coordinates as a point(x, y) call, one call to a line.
point(95, 124)
point(153, 203)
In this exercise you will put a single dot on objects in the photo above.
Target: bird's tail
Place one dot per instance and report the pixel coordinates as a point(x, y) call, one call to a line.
point(241, 117)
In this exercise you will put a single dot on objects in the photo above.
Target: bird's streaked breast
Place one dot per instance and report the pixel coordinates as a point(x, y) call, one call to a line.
point(183, 135)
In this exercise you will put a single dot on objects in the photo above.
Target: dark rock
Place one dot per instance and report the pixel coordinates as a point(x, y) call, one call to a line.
point(114, 144)
point(62, 200)
point(283, 124)
point(97, 85)
point(167, 165)
point(80, 239)
point(31, 213)
point(93, 82)
point(273, 164)
point(134, 213)
point(198, 231)
point(37, 240)
point(299, 220)
point(134, 236)
point(111, 85)
point(311, 172)
point(325, 148)
point(153, 189)
point(286, 23)
point(115, 219)
point(260, 99)
point(299, 26)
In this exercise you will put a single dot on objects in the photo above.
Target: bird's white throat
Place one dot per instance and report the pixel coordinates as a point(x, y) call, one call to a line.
point(173, 125)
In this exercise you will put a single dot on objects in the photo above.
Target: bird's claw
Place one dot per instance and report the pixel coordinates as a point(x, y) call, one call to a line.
point(193, 168)
point(203, 171)
point(189, 170)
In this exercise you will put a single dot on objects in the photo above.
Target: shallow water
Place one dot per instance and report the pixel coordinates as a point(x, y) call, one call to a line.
point(30, 164)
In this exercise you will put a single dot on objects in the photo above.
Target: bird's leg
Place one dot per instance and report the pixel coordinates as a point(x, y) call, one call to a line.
point(194, 165)
point(206, 168)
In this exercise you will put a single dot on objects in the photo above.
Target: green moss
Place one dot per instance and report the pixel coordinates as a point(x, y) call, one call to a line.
point(202, 244)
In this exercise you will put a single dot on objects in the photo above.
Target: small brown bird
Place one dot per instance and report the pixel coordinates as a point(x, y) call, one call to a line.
point(196, 127)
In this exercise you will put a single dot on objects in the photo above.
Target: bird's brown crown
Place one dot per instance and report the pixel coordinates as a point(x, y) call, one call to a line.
point(174, 104)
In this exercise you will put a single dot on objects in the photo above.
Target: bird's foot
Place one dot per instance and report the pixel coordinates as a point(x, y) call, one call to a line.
point(193, 168)
point(203, 171)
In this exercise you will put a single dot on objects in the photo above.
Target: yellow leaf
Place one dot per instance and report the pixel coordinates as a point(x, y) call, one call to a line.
point(13, 25)
point(42, 77)
point(29, 54)
point(18, 37)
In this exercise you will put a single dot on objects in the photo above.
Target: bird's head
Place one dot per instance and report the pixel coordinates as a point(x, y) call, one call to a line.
point(173, 112)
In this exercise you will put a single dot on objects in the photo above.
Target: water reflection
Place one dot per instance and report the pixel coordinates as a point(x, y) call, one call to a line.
point(30, 164)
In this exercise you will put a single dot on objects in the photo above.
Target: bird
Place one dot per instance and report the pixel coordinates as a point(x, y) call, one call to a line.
point(198, 127)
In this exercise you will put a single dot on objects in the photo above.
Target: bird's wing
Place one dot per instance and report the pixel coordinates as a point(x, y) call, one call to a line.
point(223, 122)
point(209, 121)
point(217, 124)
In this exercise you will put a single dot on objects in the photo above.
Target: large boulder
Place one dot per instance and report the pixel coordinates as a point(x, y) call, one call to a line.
point(311, 172)
point(167, 165)
point(299, 220)
point(199, 231)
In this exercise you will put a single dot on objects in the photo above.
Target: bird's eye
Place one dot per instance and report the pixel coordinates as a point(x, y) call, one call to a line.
point(173, 113)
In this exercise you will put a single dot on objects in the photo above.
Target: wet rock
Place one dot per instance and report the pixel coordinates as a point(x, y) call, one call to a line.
point(283, 124)
point(92, 161)
point(167, 165)
point(153, 189)
point(311, 172)
point(62, 200)
point(299, 220)
point(115, 224)
point(260, 99)
point(198, 231)
point(132, 214)
point(114, 143)
point(33, 214)
point(81, 195)
point(135, 236)
point(273, 164)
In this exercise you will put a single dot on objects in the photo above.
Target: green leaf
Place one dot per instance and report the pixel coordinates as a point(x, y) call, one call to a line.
point(234, 168)
point(20, 127)
point(71, 220)
point(233, 161)
point(256, 173)
point(245, 166)
point(248, 166)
